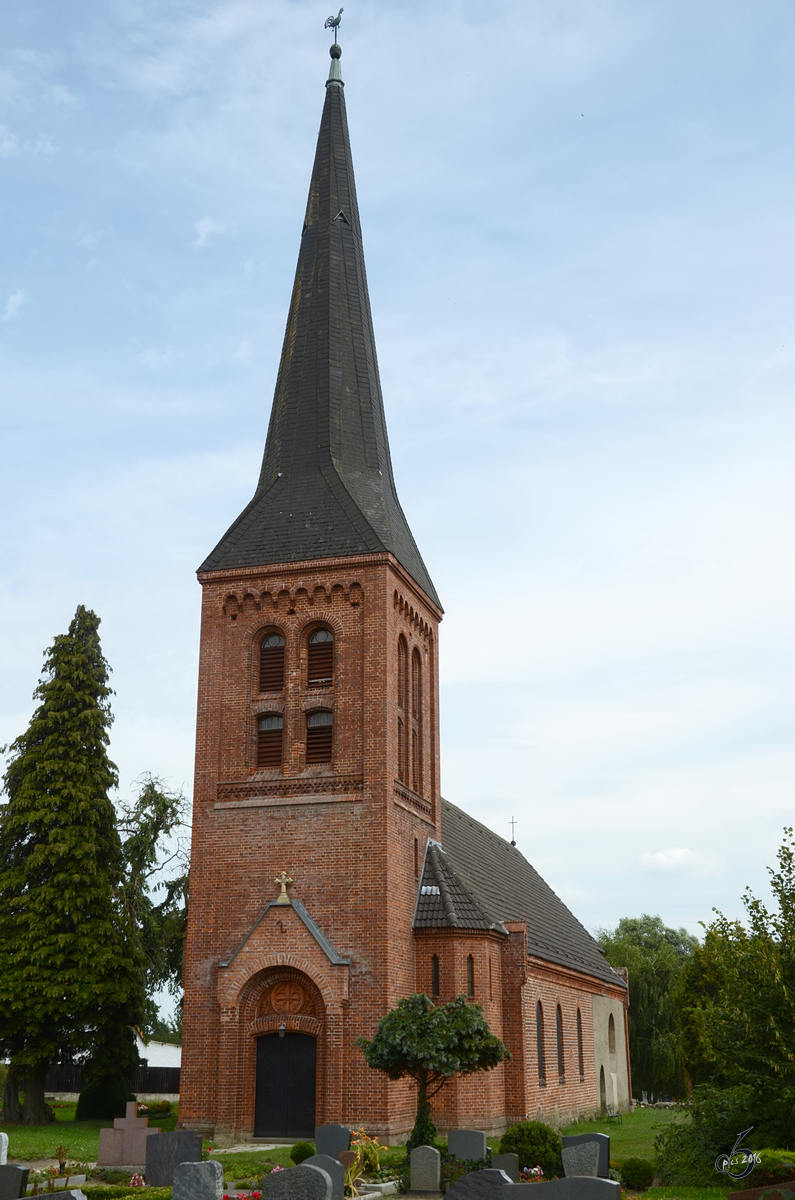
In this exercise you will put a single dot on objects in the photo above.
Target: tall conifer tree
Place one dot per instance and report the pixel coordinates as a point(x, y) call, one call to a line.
point(70, 963)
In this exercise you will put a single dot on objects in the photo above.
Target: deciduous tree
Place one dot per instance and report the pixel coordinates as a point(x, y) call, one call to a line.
point(655, 956)
point(431, 1044)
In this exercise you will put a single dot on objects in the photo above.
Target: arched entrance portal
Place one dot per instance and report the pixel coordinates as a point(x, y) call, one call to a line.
point(285, 1095)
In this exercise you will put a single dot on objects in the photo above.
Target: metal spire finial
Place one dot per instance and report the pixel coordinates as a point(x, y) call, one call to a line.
point(334, 23)
point(513, 831)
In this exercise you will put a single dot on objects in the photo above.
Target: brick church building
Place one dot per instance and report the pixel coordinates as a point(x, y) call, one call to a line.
point(329, 876)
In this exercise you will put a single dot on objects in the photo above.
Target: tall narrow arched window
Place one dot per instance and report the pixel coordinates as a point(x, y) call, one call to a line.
point(559, 1034)
point(542, 1070)
point(611, 1034)
point(320, 668)
point(435, 976)
point(470, 975)
point(269, 740)
point(319, 729)
point(491, 981)
point(403, 714)
point(416, 721)
point(579, 1046)
point(271, 663)
point(416, 858)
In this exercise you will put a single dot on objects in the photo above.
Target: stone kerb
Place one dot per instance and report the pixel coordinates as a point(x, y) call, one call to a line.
point(425, 1169)
point(575, 1187)
point(3, 1149)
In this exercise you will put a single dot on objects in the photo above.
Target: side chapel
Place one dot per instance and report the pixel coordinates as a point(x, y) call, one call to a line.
point(329, 876)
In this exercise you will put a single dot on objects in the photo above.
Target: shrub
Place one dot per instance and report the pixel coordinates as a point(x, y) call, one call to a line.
point(637, 1174)
point(125, 1193)
point(300, 1151)
point(157, 1108)
point(102, 1100)
point(537, 1144)
point(687, 1150)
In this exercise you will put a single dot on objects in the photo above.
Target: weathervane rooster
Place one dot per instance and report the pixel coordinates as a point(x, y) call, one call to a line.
point(333, 23)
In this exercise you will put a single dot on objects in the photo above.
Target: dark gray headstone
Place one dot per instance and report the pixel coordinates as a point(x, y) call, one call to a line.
point(298, 1183)
point(3, 1149)
point(467, 1144)
point(577, 1187)
point(425, 1169)
point(334, 1168)
point(509, 1163)
point(331, 1139)
point(198, 1181)
point(13, 1181)
point(479, 1185)
point(71, 1194)
point(165, 1151)
point(581, 1160)
point(603, 1142)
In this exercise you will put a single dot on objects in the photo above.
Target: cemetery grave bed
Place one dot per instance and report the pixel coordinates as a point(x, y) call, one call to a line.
point(635, 1136)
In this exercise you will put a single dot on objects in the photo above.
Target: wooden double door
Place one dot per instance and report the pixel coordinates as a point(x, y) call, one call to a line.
point(286, 1082)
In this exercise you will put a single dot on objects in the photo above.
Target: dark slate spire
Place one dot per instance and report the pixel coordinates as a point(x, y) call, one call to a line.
point(326, 487)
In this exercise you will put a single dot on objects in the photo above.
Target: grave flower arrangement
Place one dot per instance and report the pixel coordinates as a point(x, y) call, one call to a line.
point(368, 1151)
point(531, 1175)
point(137, 1181)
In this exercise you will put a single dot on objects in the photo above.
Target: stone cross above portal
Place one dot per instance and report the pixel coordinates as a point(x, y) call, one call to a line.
point(283, 880)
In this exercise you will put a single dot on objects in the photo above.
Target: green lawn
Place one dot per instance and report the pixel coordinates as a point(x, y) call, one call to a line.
point(81, 1138)
point(634, 1137)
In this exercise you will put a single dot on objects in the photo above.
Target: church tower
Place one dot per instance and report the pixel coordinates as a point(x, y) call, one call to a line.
point(317, 751)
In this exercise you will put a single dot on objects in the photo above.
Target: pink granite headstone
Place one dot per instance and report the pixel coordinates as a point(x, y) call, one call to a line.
point(125, 1144)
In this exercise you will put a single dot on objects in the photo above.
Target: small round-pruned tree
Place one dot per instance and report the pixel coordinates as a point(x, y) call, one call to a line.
point(68, 963)
point(430, 1044)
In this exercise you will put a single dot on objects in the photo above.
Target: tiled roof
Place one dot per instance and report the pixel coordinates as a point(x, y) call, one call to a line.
point(326, 488)
point(499, 885)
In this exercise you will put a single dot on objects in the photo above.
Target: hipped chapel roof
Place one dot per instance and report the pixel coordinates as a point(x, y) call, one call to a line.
point(477, 880)
point(326, 487)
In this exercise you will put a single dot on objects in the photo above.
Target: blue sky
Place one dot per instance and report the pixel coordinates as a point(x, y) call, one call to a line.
point(578, 227)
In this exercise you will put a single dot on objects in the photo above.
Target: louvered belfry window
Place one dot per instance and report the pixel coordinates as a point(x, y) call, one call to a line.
point(403, 717)
point(269, 741)
point(319, 730)
point(321, 658)
point(271, 663)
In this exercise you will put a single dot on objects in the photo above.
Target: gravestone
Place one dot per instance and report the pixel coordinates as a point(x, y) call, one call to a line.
point(125, 1144)
point(776, 1191)
point(425, 1169)
point(576, 1187)
point(331, 1139)
point(602, 1140)
point(164, 1152)
point(71, 1194)
point(480, 1185)
point(3, 1149)
point(199, 1181)
point(581, 1160)
point(509, 1163)
point(299, 1183)
point(13, 1181)
point(332, 1167)
point(346, 1157)
point(467, 1144)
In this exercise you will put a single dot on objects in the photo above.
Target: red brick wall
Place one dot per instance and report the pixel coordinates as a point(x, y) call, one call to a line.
point(344, 832)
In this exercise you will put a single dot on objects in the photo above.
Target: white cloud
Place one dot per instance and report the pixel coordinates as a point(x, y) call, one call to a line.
point(13, 305)
point(678, 860)
point(205, 230)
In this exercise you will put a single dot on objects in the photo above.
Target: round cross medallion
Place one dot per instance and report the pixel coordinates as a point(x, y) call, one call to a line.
point(287, 998)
